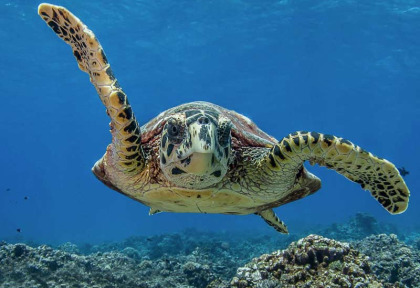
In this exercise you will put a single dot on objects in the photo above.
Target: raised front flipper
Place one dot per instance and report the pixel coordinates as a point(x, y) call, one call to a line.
point(377, 175)
point(126, 138)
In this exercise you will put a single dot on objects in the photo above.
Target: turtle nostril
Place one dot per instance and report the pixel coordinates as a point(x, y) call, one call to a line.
point(203, 120)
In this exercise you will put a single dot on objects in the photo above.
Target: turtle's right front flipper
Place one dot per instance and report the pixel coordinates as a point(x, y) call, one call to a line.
point(90, 56)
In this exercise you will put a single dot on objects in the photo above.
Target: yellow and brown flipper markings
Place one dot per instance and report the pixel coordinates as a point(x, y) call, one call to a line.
point(271, 219)
point(91, 59)
point(377, 175)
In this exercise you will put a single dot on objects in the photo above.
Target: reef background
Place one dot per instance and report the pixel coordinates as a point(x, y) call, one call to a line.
point(349, 68)
point(197, 259)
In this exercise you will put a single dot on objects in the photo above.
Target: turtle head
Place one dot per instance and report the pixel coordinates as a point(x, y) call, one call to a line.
point(195, 148)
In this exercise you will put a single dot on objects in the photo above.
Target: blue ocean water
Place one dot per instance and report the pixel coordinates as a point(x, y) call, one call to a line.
point(349, 68)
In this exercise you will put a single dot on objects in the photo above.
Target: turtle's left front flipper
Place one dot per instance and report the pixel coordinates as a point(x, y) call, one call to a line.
point(126, 138)
point(377, 175)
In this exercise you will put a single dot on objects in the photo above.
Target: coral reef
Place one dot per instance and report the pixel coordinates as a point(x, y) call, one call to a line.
point(219, 260)
point(223, 252)
point(23, 266)
point(190, 259)
point(391, 259)
point(358, 227)
point(314, 261)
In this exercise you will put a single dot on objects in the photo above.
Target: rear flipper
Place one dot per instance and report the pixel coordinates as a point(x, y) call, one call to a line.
point(375, 174)
point(271, 218)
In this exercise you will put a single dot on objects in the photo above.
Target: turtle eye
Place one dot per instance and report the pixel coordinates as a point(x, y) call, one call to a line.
point(173, 130)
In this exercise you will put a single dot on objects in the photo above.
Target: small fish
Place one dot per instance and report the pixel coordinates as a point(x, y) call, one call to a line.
point(26, 198)
point(403, 172)
point(7, 189)
point(18, 230)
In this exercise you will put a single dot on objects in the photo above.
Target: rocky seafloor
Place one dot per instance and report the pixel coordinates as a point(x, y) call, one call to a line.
point(353, 254)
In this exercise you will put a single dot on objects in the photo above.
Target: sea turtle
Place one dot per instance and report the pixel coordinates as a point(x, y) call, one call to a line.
point(200, 157)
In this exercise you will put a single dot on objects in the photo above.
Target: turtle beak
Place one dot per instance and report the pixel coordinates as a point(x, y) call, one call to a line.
point(200, 152)
point(203, 136)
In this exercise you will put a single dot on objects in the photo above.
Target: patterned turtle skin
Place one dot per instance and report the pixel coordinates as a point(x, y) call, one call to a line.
point(199, 157)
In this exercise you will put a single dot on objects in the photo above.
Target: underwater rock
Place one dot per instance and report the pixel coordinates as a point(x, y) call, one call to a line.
point(391, 259)
point(313, 261)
